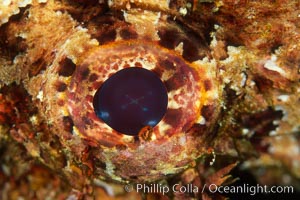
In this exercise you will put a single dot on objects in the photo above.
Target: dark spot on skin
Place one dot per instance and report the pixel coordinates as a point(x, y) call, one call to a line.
point(84, 73)
point(207, 111)
point(173, 116)
point(60, 86)
point(55, 143)
point(207, 29)
point(66, 67)
point(93, 77)
point(263, 84)
point(107, 36)
point(128, 33)
point(207, 85)
point(68, 124)
point(115, 66)
point(190, 51)
point(231, 97)
point(261, 122)
point(167, 64)
point(169, 38)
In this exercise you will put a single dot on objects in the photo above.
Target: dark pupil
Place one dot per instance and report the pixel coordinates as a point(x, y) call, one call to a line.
point(131, 99)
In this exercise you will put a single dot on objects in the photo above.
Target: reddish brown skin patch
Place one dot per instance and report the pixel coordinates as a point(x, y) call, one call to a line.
point(87, 120)
point(181, 69)
point(176, 149)
point(6, 110)
point(126, 66)
point(83, 73)
point(115, 67)
point(175, 82)
point(96, 84)
point(173, 117)
point(137, 64)
point(167, 64)
point(89, 98)
point(61, 102)
point(207, 85)
point(263, 84)
point(197, 130)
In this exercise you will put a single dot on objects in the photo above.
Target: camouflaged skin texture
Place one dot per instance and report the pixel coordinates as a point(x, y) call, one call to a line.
point(231, 70)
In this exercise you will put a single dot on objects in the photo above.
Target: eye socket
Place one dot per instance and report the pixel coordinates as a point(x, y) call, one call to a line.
point(172, 138)
point(131, 99)
point(182, 82)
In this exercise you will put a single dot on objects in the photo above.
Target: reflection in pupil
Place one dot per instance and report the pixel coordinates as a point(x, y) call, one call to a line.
point(130, 100)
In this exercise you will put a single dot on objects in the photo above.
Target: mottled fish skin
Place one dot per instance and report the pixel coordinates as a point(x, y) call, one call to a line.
point(233, 86)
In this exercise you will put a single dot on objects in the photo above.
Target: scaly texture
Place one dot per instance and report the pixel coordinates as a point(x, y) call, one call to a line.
point(231, 70)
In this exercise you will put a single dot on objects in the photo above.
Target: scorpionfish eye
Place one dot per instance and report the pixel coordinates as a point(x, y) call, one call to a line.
point(131, 99)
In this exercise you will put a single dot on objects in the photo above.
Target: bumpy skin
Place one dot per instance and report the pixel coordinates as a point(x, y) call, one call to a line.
point(231, 70)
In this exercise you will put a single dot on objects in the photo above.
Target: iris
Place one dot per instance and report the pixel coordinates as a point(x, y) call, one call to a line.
point(131, 99)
